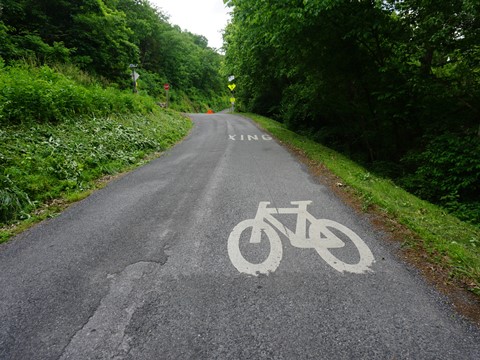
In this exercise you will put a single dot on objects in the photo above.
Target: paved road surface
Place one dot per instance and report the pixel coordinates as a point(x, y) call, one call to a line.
point(159, 264)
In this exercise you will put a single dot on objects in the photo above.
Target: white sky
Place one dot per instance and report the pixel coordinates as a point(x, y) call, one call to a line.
point(202, 17)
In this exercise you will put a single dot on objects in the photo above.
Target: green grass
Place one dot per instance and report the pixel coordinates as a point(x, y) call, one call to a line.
point(43, 161)
point(453, 244)
point(61, 130)
point(42, 94)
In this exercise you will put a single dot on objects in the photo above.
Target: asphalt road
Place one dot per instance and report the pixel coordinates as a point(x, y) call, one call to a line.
point(201, 255)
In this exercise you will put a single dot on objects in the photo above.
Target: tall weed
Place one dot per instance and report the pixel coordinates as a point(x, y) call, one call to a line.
point(41, 94)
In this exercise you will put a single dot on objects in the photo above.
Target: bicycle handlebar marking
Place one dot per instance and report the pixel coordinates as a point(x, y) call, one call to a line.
point(265, 222)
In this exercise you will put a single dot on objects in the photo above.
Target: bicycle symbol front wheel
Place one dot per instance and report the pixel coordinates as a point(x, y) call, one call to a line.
point(273, 259)
point(321, 226)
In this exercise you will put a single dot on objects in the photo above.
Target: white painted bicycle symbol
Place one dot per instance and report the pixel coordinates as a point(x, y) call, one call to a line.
point(320, 238)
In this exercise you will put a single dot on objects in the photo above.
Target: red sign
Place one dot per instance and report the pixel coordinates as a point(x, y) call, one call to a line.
point(166, 87)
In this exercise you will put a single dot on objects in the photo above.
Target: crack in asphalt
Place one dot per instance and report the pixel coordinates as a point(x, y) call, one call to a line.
point(62, 352)
point(103, 333)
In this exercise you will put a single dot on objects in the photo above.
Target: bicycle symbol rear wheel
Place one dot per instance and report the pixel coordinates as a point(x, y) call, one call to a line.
point(273, 259)
point(320, 226)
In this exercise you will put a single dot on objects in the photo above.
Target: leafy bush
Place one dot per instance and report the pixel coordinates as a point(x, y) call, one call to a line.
point(447, 172)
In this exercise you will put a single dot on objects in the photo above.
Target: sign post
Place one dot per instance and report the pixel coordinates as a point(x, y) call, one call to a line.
point(135, 77)
point(167, 88)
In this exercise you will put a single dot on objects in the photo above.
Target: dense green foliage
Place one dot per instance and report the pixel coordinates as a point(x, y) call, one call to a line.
point(42, 94)
point(103, 37)
point(393, 84)
point(61, 130)
point(43, 161)
point(67, 111)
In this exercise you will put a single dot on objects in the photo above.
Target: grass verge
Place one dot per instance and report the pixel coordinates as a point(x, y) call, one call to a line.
point(449, 243)
point(47, 166)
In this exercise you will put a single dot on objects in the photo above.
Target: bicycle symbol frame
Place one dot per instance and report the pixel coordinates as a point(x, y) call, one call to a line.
point(319, 238)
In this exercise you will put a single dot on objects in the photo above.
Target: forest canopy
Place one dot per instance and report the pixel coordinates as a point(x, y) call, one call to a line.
point(103, 37)
point(394, 84)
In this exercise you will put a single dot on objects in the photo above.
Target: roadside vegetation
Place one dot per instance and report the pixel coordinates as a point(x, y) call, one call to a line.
point(450, 243)
point(68, 113)
point(42, 163)
point(392, 84)
point(60, 132)
point(103, 38)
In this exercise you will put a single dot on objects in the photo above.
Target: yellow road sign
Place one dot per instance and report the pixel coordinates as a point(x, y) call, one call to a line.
point(232, 100)
point(232, 87)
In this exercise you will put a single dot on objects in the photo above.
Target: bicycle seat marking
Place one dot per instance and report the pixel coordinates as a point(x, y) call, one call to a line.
point(319, 237)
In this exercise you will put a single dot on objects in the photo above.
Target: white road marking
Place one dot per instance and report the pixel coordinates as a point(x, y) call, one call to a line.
point(319, 237)
point(270, 264)
point(249, 137)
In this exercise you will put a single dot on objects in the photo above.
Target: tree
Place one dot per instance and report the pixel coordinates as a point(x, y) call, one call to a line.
point(378, 80)
point(104, 36)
